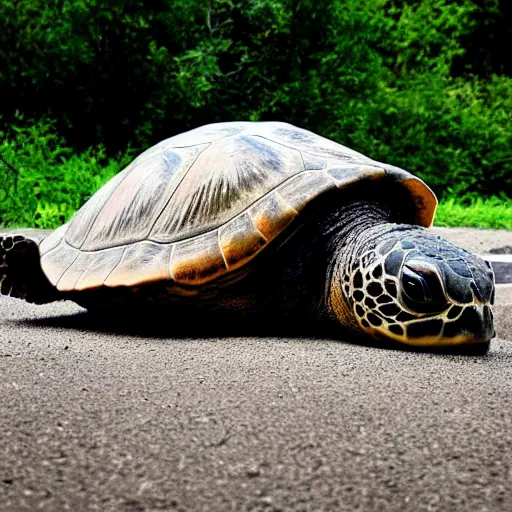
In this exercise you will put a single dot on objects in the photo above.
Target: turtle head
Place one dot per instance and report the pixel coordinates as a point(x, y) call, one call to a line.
point(419, 289)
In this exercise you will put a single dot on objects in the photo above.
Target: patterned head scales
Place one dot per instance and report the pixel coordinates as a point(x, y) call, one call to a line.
point(422, 291)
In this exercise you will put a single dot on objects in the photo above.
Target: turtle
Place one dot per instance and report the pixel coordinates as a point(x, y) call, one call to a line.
point(263, 220)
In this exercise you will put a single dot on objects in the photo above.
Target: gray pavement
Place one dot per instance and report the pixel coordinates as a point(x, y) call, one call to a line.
point(481, 241)
point(99, 419)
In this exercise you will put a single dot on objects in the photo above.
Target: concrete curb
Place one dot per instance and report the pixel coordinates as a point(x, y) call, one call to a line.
point(502, 266)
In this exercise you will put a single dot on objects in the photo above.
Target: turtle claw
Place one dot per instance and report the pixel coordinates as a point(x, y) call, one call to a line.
point(7, 269)
point(21, 275)
point(6, 286)
point(7, 243)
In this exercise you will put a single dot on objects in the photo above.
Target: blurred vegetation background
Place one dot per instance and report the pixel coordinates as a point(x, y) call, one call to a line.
point(422, 84)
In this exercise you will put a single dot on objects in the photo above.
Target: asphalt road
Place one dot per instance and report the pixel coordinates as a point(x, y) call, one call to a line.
point(99, 419)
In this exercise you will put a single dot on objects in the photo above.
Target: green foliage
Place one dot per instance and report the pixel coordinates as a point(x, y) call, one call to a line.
point(427, 34)
point(52, 181)
point(489, 213)
point(487, 47)
point(454, 134)
point(423, 84)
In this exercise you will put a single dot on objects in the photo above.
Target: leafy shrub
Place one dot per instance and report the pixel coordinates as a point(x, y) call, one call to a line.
point(404, 81)
point(53, 181)
point(455, 134)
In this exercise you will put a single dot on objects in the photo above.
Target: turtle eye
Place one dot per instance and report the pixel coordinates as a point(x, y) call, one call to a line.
point(415, 285)
point(421, 287)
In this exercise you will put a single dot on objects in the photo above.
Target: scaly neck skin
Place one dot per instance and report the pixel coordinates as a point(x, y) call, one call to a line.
point(298, 282)
point(351, 232)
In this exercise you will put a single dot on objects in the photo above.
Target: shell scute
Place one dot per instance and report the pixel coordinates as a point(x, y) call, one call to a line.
point(142, 262)
point(272, 215)
point(101, 266)
point(57, 261)
point(303, 187)
point(197, 260)
point(84, 220)
point(240, 240)
point(223, 182)
point(133, 207)
point(313, 162)
point(52, 240)
point(70, 277)
point(347, 175)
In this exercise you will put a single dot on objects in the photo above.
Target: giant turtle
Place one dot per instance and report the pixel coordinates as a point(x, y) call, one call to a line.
point(268, 220)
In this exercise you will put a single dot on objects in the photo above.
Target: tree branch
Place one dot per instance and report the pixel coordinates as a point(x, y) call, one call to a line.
point(13, 169)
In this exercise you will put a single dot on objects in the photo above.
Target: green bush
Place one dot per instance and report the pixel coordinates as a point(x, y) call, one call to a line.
point(52, 181)
point(400, 80)
point(489, 213)
point(455, 134)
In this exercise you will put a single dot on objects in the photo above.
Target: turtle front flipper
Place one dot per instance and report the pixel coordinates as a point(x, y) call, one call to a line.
point(21, 275)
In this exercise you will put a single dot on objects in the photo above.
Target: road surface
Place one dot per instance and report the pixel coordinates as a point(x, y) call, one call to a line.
point(99, 419)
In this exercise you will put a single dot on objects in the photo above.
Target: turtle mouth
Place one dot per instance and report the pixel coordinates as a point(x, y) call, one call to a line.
point(467, 325)
point(474, 322)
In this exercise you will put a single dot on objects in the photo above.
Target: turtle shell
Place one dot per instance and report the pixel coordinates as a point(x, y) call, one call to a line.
point(204, 203)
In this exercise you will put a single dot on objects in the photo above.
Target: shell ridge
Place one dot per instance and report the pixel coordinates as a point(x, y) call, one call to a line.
point(284, 145)
point(221, 250)
point(348, 158)
point(241, 129)
point(107, 198)
point(69, 266)
point(279, 185)
point(259, 231)
point(283, 201)
point(115, 266)
point(199, 133)
point(173, 250)
point(157, 218)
